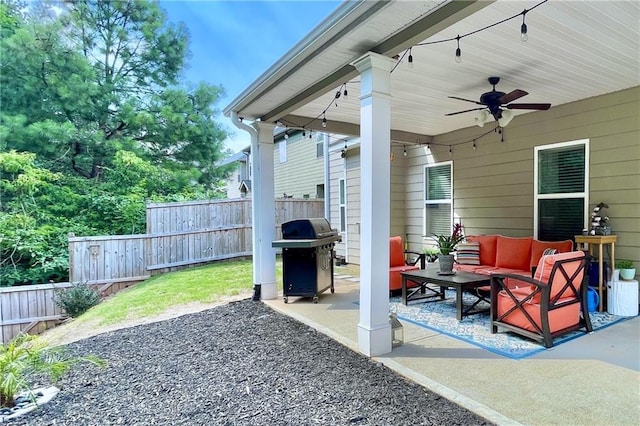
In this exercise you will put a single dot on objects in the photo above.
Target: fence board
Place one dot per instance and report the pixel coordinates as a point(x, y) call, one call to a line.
point(179, 234)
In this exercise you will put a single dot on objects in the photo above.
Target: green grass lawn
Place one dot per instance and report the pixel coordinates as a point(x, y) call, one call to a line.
point(206, 284)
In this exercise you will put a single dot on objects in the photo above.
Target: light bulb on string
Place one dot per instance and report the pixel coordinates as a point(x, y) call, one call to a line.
point(304, 133)
point(458, 51)
point(474, 145)
point(410, 59)
point(404, 152)
point(524, 36)
point(324, 120)
point(345, 93)
point(450, 149)
point(286, 135)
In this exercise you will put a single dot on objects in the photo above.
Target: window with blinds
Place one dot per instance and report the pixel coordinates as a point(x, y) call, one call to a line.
point(561, 190)
point(438, 194)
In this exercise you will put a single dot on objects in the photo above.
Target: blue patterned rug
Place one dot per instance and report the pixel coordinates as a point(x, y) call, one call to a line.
point(475, 329)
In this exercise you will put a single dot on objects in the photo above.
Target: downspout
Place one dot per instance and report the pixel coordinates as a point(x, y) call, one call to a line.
point(327, 178)
point(237, 121)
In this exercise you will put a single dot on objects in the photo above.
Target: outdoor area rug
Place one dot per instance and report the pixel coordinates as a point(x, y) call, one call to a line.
point(475, 329)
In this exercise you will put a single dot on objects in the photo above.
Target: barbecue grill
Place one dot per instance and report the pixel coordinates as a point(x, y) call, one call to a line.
point(307, 257)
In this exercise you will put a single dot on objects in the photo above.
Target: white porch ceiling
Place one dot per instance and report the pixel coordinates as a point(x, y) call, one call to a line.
point(576, 50)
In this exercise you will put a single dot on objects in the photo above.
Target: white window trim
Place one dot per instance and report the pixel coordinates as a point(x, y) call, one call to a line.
point(282, 151)
point(584, 195)
point(424, 196)
point(342, 184)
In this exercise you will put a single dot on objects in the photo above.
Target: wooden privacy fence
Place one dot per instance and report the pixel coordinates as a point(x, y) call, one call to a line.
point(178, 235)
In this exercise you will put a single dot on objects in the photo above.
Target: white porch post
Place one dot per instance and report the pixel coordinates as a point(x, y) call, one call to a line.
point(263, 211)
point(327, 178)
point(374, 329)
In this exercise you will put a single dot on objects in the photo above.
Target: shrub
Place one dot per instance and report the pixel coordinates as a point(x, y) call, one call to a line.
point(77, 299)
point(27, 356)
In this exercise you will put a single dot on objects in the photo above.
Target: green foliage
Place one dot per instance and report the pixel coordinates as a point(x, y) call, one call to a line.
point(77, 299)
point(624, 264)
point(431, 253)
point(27, 356)
point(93, 125)
point(448, 243)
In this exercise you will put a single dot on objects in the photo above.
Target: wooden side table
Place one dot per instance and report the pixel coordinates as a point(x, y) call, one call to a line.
point(600, 241)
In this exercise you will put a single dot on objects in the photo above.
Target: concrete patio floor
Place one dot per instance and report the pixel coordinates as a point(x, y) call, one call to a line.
point(592, 380)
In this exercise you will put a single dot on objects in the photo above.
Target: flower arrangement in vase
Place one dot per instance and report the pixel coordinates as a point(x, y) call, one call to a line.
point(446, 245)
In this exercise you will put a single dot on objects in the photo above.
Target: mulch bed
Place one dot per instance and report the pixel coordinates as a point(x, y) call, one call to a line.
point(237, 364)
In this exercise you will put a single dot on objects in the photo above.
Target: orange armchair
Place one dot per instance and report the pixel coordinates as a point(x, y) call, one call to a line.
point(400, 262)
point(552, 303)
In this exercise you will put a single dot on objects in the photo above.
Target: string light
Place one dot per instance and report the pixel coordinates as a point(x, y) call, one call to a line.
point(450, 149)
point(304, 133)
point(342, 91)
point(286, 135)
point(404, 152)
point(523, 28)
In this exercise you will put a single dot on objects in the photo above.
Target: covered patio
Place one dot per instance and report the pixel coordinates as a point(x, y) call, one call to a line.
point(591, 380)
point(400, 62)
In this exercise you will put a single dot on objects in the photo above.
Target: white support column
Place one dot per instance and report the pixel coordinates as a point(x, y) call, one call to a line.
point(263, 211)
point(374, 328)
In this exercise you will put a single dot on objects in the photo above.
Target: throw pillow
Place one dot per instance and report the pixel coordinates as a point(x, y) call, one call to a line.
point(468, 253)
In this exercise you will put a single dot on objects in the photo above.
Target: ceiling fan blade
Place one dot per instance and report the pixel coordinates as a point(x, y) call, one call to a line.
point(542, 107)
point(466, 110)
point(512, 96)
point(467, 100)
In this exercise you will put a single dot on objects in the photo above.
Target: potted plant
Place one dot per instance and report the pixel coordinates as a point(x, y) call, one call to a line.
point(627, 270)
point(431, 254)
point(446, 245)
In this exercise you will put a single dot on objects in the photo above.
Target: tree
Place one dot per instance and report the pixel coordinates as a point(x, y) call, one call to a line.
point(93, 124)
point(102, 77)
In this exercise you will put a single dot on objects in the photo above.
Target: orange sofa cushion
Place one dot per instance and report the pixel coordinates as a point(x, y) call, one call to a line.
point(538, 247)
point(487, 248)
point(559, 319)
point(395, 279)
point(513, 253)
point(545, 266)
point(396, 252)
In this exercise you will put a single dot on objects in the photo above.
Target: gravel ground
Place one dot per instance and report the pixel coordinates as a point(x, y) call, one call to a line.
point(236, 364)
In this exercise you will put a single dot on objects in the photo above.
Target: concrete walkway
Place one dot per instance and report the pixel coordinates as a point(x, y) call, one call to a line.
point(592, 380)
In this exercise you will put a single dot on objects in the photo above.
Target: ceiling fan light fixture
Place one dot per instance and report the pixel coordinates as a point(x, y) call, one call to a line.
point(483, 117)
point(505, 119)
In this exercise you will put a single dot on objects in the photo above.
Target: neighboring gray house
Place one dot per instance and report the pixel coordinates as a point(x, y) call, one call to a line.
point(298, 163)
point(238, 185)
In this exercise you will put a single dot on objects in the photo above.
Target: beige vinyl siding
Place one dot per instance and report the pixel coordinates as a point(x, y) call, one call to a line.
point(233, 185)
point(398, 208)
point(336, 172)
point(353, 205)
point(493, 185)
point(302, 171)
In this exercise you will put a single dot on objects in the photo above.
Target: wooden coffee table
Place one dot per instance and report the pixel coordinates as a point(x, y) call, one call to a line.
point(461, 281)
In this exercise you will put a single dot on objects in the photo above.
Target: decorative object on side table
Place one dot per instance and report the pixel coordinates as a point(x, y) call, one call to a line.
point(627, 270)
point(446, 245)
point(599, 222)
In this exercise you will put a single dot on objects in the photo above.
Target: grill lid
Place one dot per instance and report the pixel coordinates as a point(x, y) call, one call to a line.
point(312, 228)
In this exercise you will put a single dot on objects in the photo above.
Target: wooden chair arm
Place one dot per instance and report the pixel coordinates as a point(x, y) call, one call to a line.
point(419, 257)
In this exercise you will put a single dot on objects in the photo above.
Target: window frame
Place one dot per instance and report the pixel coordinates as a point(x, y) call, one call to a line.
point(425, 231)
point(342, 204)
point(537, 196)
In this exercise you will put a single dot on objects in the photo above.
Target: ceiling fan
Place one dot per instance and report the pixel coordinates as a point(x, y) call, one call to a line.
point(497, 104)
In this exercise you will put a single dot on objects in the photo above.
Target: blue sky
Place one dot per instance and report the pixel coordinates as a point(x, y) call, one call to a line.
point(234, 42)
